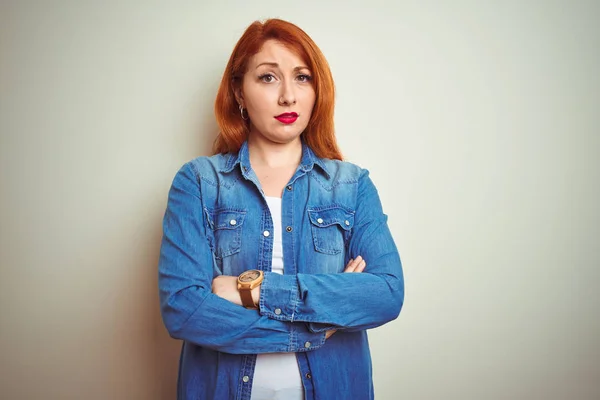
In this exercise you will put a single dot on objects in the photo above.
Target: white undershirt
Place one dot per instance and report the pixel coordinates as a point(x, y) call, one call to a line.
point(276, 375)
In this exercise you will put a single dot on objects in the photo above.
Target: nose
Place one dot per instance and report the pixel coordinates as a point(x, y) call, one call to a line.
point(287, 96)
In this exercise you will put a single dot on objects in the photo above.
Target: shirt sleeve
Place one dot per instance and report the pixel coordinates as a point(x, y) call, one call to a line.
point(190, 310)
point(350, 301)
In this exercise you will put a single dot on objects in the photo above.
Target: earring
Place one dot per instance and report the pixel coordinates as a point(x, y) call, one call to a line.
point(242, 113)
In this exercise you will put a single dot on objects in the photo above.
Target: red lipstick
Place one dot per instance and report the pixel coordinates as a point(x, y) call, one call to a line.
point(287, 118)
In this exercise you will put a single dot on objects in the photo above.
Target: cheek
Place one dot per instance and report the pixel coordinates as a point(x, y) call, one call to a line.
point(254, 99)
point(259, 97)
point(308, 101)
point(260, 104)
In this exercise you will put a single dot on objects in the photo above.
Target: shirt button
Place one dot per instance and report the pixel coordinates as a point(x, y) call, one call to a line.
point(347, 222)
point(245, 169)
point(320, 220)
point(246, 378)
point(277, 311)
point(307, 345)
point(308, 376)
point(232, 222)
point(289, 188)
point(266, 233)
point(289, 229)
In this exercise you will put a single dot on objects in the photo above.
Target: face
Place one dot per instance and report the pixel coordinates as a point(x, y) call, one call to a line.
point(278, 93)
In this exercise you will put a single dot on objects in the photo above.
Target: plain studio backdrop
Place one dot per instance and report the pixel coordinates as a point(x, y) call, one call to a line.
point(479, 122)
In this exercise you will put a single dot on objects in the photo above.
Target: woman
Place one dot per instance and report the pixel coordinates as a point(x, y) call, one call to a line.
point(261, 239)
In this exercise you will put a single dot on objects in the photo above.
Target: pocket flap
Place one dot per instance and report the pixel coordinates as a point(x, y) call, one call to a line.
point(225, 219)
point(324, 217)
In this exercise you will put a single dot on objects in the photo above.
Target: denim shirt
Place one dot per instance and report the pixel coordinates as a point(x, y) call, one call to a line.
point(217, 222)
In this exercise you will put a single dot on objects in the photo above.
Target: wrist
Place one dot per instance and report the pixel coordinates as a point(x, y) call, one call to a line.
point(248, 285)
point(256, 295)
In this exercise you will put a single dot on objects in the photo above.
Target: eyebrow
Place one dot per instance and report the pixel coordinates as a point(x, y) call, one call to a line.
point(274, 64)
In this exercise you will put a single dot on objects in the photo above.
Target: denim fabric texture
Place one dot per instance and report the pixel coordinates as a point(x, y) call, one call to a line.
point(217, 222)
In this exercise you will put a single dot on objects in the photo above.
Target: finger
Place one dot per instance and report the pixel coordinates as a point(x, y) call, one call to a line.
point(361, 267)
point(354, 264)
point(359, 260)
point(349, 266)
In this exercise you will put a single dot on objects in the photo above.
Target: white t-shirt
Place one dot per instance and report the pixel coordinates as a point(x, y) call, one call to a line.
point(277, 375)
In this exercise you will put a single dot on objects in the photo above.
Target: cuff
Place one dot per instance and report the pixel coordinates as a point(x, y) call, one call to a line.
point(303, 340)
point(279, 296)
point(318, 327)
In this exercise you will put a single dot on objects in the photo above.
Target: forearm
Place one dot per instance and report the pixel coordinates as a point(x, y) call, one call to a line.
point(343, 301)
point(207, 320)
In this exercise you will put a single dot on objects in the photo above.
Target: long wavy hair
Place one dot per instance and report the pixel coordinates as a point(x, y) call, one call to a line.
point(319, 134)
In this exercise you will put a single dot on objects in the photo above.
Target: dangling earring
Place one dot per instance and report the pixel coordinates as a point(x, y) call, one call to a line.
point(242, 113)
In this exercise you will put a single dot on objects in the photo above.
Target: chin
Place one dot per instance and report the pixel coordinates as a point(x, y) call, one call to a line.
point(285, 137)
point(289, 137)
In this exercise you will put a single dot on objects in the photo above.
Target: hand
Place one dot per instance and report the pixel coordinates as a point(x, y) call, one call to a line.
point(226, 287)
point(354, 265)
point(330, 333)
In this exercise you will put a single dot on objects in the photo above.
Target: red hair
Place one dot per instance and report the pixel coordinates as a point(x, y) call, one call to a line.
point(319, 134)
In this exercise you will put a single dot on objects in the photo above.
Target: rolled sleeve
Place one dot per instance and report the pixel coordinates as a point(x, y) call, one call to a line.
point(301, 339)
point(279, 296)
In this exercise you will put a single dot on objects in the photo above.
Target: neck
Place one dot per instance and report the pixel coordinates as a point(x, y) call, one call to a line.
point(264, 153)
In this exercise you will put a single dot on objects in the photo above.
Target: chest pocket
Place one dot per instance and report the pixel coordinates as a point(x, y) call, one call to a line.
point(331, 228)
point(226, 226)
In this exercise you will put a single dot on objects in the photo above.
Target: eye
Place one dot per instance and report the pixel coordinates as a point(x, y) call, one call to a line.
point(266, 78)
point(304, 78)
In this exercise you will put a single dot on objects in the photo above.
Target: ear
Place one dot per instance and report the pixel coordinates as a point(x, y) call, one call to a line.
point(239, 96)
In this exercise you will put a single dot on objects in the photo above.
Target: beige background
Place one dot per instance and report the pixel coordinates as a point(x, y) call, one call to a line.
point(478, 120)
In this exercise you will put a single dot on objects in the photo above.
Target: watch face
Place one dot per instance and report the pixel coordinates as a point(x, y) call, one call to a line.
point(249, 276)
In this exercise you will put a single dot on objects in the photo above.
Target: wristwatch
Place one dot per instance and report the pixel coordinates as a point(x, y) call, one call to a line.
point(247, 281)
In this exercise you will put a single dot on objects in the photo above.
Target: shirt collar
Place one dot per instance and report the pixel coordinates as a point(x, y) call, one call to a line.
point(242, 157)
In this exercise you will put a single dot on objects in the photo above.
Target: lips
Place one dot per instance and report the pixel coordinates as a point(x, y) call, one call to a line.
point(287, 118)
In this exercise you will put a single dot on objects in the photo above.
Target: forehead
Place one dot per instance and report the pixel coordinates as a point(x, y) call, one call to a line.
point(277, 52)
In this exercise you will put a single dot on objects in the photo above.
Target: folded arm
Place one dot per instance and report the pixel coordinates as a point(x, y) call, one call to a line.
point(189, 309)
point(345, 301)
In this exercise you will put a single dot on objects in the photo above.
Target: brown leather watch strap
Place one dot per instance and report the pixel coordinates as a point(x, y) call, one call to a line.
point(246, 295)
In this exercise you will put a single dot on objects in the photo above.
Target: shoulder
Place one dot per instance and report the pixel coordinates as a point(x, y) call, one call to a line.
point(206, 168)
point(343, 171)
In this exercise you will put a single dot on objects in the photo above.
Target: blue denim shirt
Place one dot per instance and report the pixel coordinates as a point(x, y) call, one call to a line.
point(217, 222)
